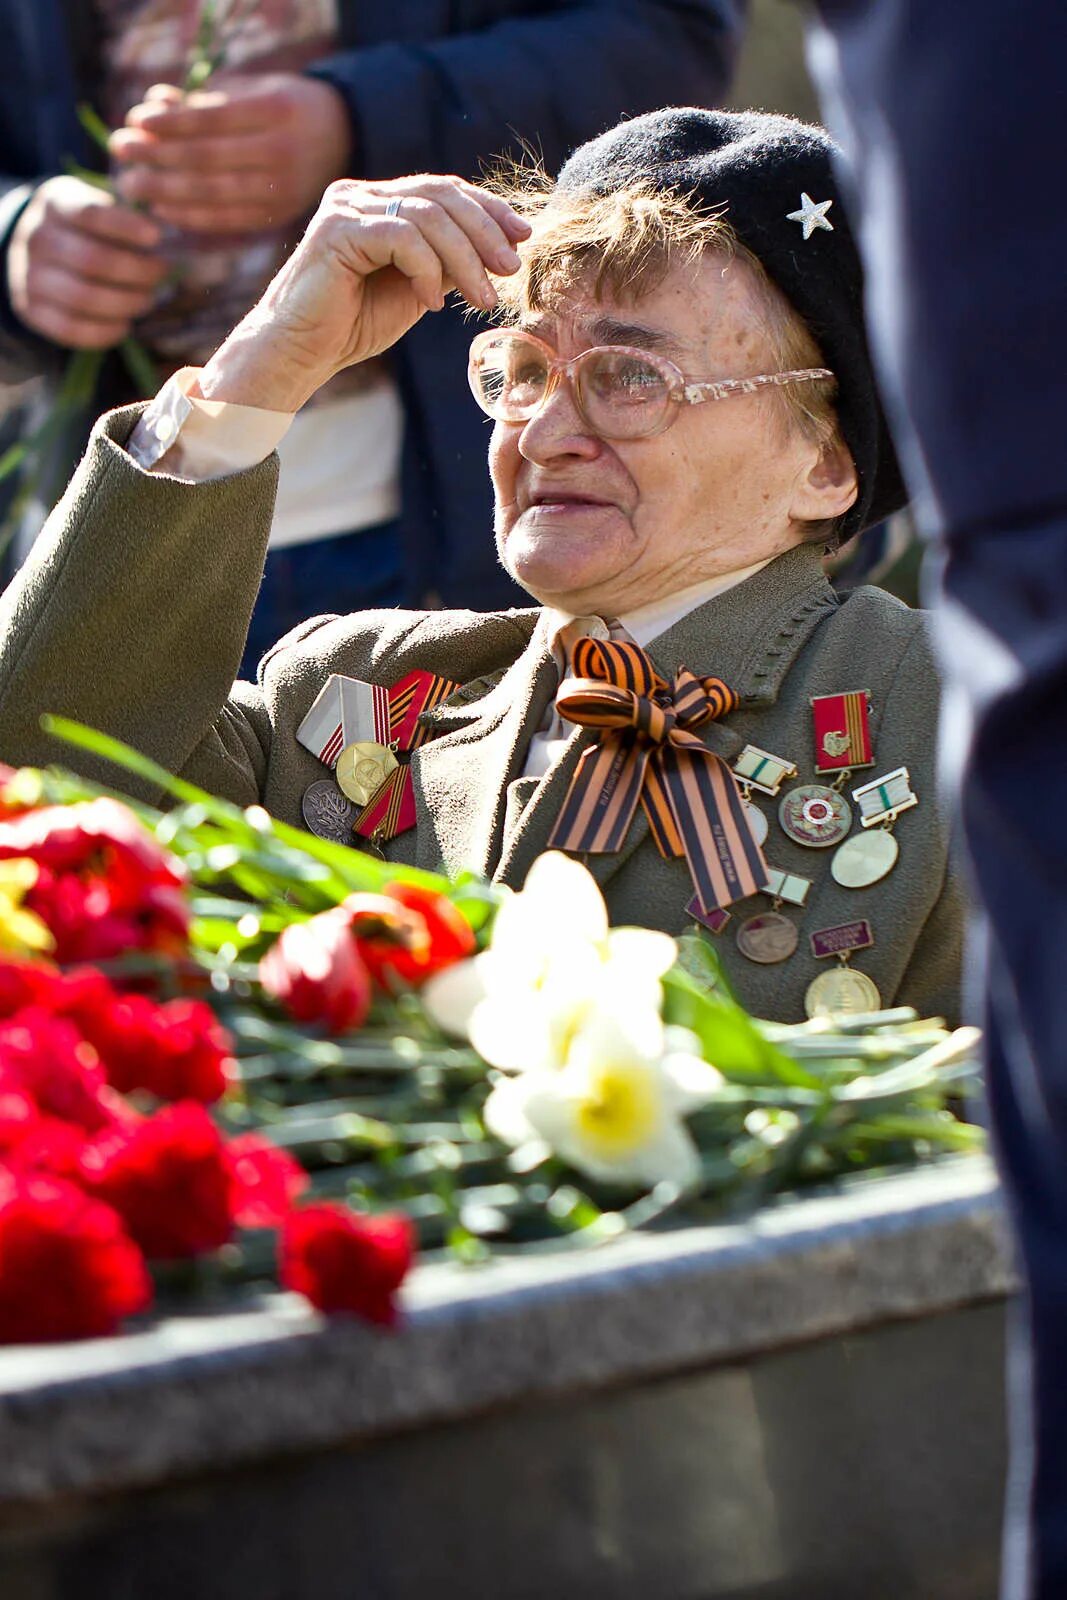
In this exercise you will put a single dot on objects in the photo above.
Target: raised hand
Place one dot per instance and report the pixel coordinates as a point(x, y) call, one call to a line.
point(375, 258)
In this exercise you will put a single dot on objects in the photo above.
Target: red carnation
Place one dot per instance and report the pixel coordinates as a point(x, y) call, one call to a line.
point(68, 1268)
point(170, 1180)
point(315, 971)
point(33, 1142)
point(104, 885)
point(269, 1181)
point(46, 1057)
point(344, 1262)
point(177, 1050)
point(28, 983)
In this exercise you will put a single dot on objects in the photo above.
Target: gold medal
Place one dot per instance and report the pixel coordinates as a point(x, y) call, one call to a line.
point(842, 992)
point(815, 815)
point(767, 938)
point(865, 859)
point(362, 768)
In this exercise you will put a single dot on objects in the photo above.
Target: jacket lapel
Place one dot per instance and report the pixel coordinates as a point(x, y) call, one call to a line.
point(461, 776)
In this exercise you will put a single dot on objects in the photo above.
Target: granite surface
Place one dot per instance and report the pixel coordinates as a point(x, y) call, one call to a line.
point(193, 1393)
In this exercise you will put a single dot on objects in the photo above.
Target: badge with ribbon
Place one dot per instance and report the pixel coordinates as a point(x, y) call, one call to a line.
point(842, 727)
point(367, 734)
point(649, 751)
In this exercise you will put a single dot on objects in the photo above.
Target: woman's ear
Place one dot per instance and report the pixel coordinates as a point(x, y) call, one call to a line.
point(829, 486)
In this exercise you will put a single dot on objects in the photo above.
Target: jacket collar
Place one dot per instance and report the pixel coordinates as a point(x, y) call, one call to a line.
point(749, 636)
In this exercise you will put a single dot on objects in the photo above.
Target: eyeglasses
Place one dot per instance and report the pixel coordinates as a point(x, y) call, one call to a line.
point(620, 392)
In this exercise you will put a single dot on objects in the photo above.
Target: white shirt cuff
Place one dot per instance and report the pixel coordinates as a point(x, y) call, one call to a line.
point(195, 440)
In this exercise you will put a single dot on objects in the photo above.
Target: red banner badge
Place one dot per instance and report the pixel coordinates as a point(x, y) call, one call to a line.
point(391, 809)
point(417, 692)
point(842, 731)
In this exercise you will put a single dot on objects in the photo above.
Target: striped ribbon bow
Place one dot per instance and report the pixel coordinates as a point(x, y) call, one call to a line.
point(648, 751)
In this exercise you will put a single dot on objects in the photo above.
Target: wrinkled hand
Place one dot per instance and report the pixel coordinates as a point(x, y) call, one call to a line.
point(242, 155)
point(359, 279)
point(80, 267)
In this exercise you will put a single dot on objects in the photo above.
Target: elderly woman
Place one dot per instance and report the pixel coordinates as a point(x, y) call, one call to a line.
point(683, 420)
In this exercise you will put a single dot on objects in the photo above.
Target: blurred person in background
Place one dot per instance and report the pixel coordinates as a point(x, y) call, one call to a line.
point(218, 185)
point(953, 127)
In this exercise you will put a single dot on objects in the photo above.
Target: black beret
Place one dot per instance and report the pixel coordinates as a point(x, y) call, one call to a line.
point(756, 169)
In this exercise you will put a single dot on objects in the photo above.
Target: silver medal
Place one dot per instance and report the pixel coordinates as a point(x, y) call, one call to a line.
point(328, 813)
point(757, 822)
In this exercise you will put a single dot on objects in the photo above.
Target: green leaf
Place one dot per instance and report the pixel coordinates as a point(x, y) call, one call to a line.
point(13, 458)
point(99, 180)
point(140, 366)
point(94, 124)
point(730, 1040)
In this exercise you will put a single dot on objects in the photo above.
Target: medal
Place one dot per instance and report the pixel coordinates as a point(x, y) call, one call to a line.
point(365, 733)
point(842, 731)
point(767, 938)
point(758, 769)
point(815, 815)
point(327, 813)
point(842, 991)
point(865, 859)
point(882, 800)
point(759, 827)
point(362, 768)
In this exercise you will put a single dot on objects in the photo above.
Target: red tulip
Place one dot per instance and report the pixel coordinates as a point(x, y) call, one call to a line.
point(315, 971)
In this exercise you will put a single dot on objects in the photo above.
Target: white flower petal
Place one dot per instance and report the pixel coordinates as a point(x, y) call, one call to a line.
point(617, 1030)
point(452, 995)
point(511, 1031)
point(693, 1082)
point(669, 1157)
point(566, 893)
point(505, 1112)
point(643, 949)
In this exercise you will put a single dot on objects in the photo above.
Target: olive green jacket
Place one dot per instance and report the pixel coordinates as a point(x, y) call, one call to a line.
point(131, 615)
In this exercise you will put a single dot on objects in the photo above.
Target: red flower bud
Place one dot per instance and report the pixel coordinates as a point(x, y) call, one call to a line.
point(436, 935)
point(344, 1262)
point(315, 971)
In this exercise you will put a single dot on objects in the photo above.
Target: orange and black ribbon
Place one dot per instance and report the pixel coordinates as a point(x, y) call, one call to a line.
point(648, 751)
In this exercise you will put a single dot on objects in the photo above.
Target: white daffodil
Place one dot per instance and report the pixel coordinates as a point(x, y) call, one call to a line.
point(614, 1110)
point(552, 956)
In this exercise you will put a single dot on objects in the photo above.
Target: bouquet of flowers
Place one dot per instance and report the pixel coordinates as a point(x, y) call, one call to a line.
point(231, 1051)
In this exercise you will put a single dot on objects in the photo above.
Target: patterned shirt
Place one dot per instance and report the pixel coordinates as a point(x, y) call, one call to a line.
point(216, 277)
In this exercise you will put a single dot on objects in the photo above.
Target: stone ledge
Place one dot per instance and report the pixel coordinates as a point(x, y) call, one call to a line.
point(198, 1393)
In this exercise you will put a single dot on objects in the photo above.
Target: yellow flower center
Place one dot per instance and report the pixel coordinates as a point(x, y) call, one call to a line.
point(619, 1109)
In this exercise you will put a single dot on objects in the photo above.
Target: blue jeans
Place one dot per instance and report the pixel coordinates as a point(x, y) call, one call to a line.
point(345, 572)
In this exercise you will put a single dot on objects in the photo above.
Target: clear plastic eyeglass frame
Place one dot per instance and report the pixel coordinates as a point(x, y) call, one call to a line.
point(653, 416)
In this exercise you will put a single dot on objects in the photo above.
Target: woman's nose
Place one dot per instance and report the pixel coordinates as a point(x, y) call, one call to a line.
point(557, 428)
